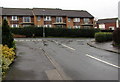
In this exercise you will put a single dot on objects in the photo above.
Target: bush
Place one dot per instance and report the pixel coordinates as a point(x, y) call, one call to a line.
point(103, 36)
point(7, 57)
point(54, 32)
point(116, 36)
point(7, 38)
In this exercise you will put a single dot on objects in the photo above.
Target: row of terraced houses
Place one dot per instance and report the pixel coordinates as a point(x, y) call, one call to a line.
point(47, 17)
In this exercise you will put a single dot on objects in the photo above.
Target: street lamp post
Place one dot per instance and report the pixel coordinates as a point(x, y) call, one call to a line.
point(43, 26)
point(43, 31)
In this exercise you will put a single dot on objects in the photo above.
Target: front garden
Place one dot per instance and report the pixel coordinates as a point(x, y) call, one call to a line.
point(7, 49)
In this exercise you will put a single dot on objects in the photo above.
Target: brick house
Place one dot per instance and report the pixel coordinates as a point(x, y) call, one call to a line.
point(18, 17)
point(108, 24)
point(47, 17)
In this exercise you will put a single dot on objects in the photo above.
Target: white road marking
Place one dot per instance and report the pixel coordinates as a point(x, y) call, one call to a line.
point(102, 61)
point(67, 47)
point(64, 45)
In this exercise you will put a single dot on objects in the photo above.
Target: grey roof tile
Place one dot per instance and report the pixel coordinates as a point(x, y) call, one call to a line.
point(17, 11)
point(110, 20)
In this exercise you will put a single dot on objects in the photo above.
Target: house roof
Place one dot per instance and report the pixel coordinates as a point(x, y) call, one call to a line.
point(17, 11)
point(60, 12)
point(46, 11)
point(78, 13)
point(109, 20)
point(0, 11)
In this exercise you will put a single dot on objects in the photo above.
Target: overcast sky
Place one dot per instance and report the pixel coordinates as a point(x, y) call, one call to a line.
point(98, 8)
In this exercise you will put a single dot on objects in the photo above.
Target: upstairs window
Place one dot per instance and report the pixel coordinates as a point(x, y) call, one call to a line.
point(26, 19)
point(69, 19)
point(76, 19)
point(86, 20)
point(14, 18)
point(38, 18)
point(47, 18)
point(5, 17)
point(59, 19)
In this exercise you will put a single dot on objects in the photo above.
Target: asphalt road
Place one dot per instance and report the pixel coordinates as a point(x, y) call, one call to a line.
point(76, 59)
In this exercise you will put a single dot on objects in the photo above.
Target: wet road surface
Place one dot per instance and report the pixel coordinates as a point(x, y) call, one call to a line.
point(78, 60)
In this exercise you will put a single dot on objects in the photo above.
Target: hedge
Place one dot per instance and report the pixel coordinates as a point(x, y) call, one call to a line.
point(54, 32)
point(116, 36)
point(103, 36)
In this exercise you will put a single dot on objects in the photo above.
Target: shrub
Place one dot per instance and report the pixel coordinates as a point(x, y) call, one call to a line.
point(7, 38)
point(116, 36)
point(103, 36)
point(7, 55)
point(54, 32)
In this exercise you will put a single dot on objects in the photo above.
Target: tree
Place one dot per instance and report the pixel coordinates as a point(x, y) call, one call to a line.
point(7, 38)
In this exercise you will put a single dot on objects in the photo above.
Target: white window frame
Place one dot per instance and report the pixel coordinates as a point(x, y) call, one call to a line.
point(14, 18)
point(25, 20)
point(47, 18)
point(59, 19)
point(76, 19)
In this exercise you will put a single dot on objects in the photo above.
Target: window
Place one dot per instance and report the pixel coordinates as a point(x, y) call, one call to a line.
point(86, 20)
point(5, 17)
point(77, 27)
point(102, 26)
point(26, 25)
point(14, 18)
point(69, 19)
point(38, 18)
point(59, 19)
point(48, 25)
point(47, 18)
point(14, 25)
point(69, 27)
point(86, 27)
point(26, 19)
point(38, 25)
point(76, 19)
point(112, 28)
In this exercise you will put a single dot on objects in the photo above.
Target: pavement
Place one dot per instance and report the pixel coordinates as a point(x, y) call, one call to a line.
point(62, 58)
point(104, 46)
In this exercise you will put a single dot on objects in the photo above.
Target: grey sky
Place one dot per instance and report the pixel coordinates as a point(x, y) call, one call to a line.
point(98, 8)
